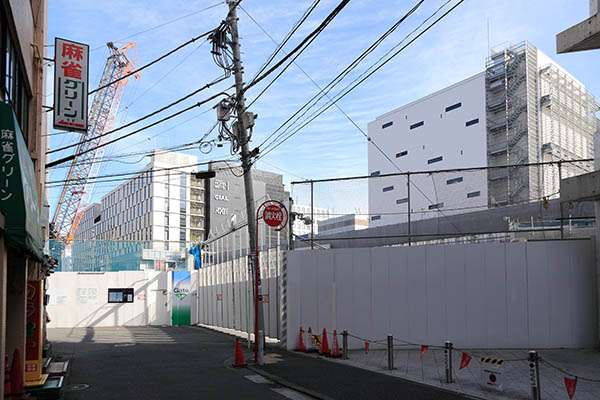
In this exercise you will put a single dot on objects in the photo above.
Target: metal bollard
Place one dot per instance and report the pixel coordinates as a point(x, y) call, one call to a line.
point(344, 345)
point(261, 348)
point(390, 350)
point(448, 360)
point(534, 375)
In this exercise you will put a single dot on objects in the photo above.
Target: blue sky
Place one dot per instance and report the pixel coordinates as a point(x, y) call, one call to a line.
point(330, 146)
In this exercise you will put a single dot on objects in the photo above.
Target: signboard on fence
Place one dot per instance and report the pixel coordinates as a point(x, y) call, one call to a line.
point(491, 373)
point(71, 66)
point(180, 312)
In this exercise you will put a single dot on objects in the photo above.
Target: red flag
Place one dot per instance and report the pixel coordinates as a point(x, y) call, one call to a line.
point(366, 347)
point(571, 385)
point(423, 350)
point(465, 360)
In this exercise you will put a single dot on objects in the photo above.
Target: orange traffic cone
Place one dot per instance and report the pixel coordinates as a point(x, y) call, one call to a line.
point(16, 374)
point(335, 348)
point(301, 345)
point(309, 342)
point(239, 356)
point(324, 344)
point(7, 386)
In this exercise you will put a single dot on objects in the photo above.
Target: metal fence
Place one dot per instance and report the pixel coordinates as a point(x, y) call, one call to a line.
point(514, 202)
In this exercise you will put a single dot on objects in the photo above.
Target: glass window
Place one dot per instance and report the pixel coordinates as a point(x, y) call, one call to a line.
point(376, 173)
point(418, 124)
point(472, 122)
point(473, 194)
point(388, 188)
point(387, 124)
point(434, 160)
point(401, 154)
point(436, 206)
point(375, 217)
point(453, 107)
point(454, 180)
point(402, 201)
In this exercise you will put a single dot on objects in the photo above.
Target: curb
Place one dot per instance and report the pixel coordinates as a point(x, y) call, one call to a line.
point(288, 384)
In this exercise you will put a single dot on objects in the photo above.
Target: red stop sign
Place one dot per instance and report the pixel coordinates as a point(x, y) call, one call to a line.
point(273, 215)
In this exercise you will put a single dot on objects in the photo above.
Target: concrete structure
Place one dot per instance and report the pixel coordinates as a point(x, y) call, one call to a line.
point(148, 222)
point(490, 295)
point(226, 201)
point(343, 223)
point(301, 225)
point(583, 36)
point(23, 27)
point(523, 108)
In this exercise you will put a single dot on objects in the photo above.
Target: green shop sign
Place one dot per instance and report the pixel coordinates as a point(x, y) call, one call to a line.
point(18, 193)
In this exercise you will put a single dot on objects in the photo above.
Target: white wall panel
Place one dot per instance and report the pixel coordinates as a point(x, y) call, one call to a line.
point(516, 291)
point(495, 297)
point(455, 294)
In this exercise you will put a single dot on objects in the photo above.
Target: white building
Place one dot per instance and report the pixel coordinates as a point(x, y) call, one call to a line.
point(343, 223)
point(301, 225)
point(150, 220)
point(523, 108)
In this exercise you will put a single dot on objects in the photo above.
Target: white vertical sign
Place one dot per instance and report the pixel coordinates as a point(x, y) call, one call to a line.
point(71, 71)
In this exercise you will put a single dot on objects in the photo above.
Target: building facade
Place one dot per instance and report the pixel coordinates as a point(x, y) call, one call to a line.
point(148, 222)
point(343, 223)
point(301, 225)
point(23, 146)
point(522, 109)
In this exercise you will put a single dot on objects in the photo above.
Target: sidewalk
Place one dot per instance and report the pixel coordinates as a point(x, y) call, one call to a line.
point(327, 380)
point(430, 370)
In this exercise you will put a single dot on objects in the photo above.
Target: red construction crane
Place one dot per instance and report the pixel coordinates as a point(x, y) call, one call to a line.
point(79, 185)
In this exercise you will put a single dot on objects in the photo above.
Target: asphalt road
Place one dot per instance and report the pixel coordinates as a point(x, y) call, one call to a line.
point(195, 363)
point(155, 363)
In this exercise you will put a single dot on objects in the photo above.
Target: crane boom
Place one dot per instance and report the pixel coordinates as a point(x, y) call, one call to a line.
point(79, 185)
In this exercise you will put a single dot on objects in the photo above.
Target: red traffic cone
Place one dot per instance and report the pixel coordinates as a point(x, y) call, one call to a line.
point(16, 374)
point(301, 345)
point(309, 342)
point(324, 344)
point(335, 348)
point(7, 386)
point(239, 356)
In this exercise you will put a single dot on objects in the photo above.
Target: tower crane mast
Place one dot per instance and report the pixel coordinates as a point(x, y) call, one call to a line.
point(79, 184)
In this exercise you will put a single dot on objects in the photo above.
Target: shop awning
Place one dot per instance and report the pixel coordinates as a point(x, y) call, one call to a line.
point(18, 193)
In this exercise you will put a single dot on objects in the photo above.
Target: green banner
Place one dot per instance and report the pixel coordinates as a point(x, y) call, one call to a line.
point(180, 312)
point(18, 192)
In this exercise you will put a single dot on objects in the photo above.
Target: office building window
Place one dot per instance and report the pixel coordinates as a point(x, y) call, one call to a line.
point(402, 201)
point(473, 194)
point(375, 217)
point(388, 188)
point(455, 180)
point(453, 107)
point(387, 124)
point(376, 173)
point(472, 122)
point(401, 154)
point(418, 124)
point(436, 206)
point(434, 160)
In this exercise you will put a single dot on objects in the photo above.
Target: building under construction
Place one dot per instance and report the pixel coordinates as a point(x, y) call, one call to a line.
point(522, 109)
point(536, 112)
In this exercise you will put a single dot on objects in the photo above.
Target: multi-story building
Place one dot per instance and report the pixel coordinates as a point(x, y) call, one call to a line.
point(301, 225)
point(524, 108)
point(148, 222)
point(226, 199)
point(23, 146)
point(343, 223)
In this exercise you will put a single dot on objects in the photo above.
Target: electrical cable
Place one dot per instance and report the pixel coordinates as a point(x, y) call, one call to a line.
point(345, 72)
point(195, 92)
point(302, 44)
point(73, 156)
point(279, 46)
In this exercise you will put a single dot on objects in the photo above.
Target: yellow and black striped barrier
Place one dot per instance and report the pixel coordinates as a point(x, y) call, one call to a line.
point(492, 361)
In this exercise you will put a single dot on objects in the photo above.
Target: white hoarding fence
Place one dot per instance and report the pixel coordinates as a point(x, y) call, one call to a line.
point(71, 73)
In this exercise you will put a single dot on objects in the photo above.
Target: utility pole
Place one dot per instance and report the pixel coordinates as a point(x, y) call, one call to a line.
point(246, 166)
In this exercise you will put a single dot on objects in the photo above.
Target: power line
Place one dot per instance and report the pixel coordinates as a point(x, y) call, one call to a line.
point(279, 46)
point(342, 95)
point(308, 39)
point(342, 74)
point(208, 85)
point(71, 157)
